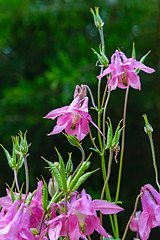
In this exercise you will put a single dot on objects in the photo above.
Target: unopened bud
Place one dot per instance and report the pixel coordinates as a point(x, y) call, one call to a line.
point(148, 128)
point(80, 91)
point(97, 19)
point(69, 165)
point(102, 57)
point(53, 187)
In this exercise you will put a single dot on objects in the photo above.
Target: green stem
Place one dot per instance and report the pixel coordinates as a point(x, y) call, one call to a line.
point(121, 160)
point(102, 39)
point(154, 159)
point(83, 157)
point(27, 176)
point(16, 179)
point(122, 147)
point(131, 217)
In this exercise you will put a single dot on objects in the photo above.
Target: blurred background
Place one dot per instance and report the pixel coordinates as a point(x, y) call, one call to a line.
point(45, 51)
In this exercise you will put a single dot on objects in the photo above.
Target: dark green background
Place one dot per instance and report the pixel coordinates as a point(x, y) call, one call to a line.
point(45, 51)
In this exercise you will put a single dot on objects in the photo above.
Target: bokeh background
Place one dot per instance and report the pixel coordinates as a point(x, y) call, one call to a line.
point(45, 51)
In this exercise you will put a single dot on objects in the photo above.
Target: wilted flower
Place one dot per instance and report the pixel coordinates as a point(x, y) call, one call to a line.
point(122, 71)
point(73, 118)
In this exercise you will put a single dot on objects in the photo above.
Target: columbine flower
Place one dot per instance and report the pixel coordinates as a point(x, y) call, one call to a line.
point(73, 118)
point(16, 223)
point(81, 219)
point(150, 216)
point(121, 71)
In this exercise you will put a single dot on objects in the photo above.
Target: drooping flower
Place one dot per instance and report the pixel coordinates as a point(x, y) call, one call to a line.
point(150, 216)
point(122, 71)
point(81, 219)
point(73, 118)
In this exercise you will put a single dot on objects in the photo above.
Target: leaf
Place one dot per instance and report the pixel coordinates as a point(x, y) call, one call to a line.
point(96, 150)
point(55, 172)
point(11, 162)
point(82, 179)
point(29, 198)
point(62, 171)
point(44, 196)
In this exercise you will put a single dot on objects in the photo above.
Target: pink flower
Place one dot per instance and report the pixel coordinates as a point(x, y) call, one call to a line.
point(16, 223)
point(73, 118)
point(150, 216)
point(134, 223)
point(121, 71)
point(81, 219)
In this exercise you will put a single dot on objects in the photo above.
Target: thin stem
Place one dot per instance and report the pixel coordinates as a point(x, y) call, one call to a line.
point(83, 157)
point(104, 94)
point(16, 180)
point(154, 160)
point(90, 134)
point(131, 217)
point(104, 117)
point(122, 147)
point(108, 173)
point(27, 176)
point(91, 95)
point(102, 39)
point(40, 226)
point(89, 237)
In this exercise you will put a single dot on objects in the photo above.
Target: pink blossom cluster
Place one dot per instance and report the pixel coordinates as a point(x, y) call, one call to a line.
point(79, 221)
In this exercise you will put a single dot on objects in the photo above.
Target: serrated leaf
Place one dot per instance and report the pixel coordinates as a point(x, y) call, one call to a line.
point(62, 171)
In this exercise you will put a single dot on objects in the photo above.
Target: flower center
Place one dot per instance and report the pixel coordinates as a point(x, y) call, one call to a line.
point(124, 78)
point(75, 119)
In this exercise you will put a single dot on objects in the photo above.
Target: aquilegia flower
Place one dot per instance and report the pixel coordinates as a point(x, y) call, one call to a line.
point(81, 219)
point(73, 118)
point(150, 216)
point(122, 71)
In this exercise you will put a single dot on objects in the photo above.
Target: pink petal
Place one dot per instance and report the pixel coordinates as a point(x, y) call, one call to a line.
point(84, 106)
point(134, 80)
point(106, 71)
point(54, 230)
point(57, 112)
point(142, 67)
point(62, 120)
point(57, 129)
point(105, 207)
point(144, 228)
point(74, 104)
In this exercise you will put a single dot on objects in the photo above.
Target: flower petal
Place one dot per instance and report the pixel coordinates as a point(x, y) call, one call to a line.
point(105, 207)
point(57, 112)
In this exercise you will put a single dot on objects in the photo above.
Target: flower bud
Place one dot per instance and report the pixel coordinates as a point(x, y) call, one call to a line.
point(148, 128)
point(69, 165)
point(53, 188)
point(80, 91)
point(102, 58)
point(97, 19)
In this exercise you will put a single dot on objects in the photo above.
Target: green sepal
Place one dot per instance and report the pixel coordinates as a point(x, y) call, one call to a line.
point(20, 193)
point(133, 51)
point(96, 150)
point(55, 198)
point(142, 61)
point(44, 195)
point(20, 161)
point(79, 174)
point(13, 197)
point(148, 128)
point(55, 172)
point(82, 179)
point(29, 198)
point(109, 134)
point(11, 161)
point(62, 171)
point(73, 140)
point(117, 134)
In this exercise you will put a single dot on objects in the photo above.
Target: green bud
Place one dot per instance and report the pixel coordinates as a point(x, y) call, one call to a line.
point(109, 134)
point(147, 128)
point(34, 231)
point(23, 143)
point(102, 57)
point(97, 19)
point(53, 187)
point(69, 165)
point(115, 140)
point(73, 140)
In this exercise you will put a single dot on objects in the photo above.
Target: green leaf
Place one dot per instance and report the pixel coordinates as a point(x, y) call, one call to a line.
point(44, 196)
point(11, 161)
point(29, 198)
point(96, 150)
point(55, 172)
point(82, 179)
point(62, 171)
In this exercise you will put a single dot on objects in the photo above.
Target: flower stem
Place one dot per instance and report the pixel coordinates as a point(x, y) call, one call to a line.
point(154, 160)
point(16, 179)
point(27, 176)
point(131, 217)
point(122, 147)
point(83, 157)
point(121, 160)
